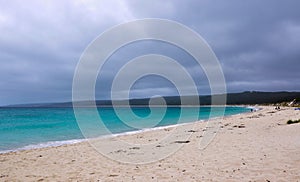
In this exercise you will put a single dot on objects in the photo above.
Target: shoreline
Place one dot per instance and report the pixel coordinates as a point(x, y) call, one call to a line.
point(80, 140)
point(252, 146)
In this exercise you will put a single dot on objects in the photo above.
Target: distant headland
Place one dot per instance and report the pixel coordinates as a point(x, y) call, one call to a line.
point(243, 98)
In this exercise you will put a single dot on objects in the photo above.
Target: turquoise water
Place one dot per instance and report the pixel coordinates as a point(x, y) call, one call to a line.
point(22, 128)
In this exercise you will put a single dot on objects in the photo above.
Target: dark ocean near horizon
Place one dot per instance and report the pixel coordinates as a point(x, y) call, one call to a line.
point(26, 128)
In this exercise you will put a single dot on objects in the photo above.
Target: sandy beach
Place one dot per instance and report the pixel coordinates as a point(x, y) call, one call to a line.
point(257, 146)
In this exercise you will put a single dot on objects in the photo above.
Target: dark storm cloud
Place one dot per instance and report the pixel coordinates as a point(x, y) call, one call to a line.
point(257, 43)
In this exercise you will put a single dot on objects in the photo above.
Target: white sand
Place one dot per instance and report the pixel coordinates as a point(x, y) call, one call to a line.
point(266, 148)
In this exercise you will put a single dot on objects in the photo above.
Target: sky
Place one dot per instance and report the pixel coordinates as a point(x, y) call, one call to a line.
point(256, 42)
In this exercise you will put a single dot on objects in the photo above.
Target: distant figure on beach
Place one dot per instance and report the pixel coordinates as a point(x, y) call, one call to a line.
point(277, 108)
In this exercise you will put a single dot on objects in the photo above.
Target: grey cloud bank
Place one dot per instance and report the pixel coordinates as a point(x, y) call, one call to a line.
point(257, 43)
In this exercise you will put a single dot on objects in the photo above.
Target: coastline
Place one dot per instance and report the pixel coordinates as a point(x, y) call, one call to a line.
point(79, 140)
point(237, 153)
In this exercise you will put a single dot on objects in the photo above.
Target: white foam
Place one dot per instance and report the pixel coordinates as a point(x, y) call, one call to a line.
point(146, 130)
point(44, 145)
point(254, 108)
point(67, 142)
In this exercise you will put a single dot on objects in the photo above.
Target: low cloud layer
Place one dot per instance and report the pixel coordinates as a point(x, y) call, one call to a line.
point(256, 42)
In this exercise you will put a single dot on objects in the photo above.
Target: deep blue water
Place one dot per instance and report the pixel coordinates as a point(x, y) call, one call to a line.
point(21, 127)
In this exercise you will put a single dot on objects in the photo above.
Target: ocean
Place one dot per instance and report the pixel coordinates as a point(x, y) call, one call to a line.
point(27, 128)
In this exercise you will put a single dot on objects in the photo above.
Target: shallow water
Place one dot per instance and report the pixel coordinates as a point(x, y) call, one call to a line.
point(23, 128)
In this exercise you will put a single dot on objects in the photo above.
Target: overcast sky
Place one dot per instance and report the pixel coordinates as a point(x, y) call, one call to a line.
point(257, 43)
